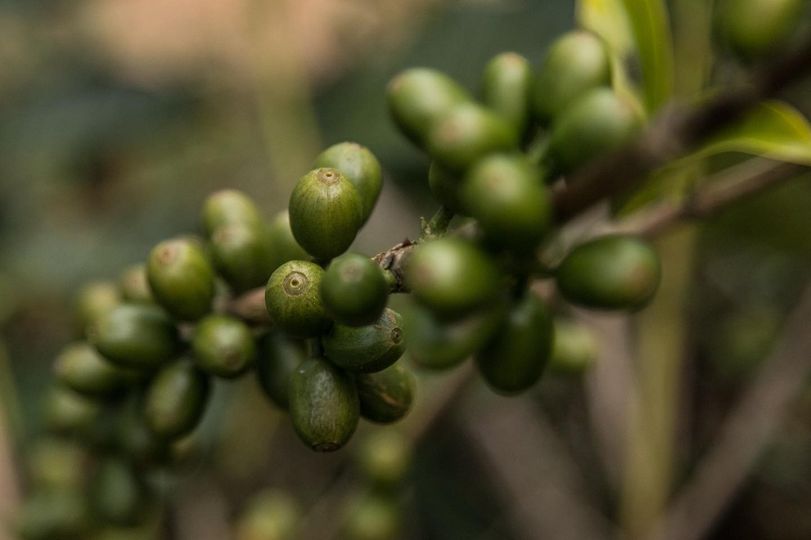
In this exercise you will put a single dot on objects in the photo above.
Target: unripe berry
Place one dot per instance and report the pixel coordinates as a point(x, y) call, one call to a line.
point(95, 300)
point(575, 63)
point(506, 89)
point(754, 28)
point(81, 368)
point(612, 272)
point(445, 186)
point(372, 516)
point(517, 355)
point(277, 358)
point(117, 494)
point(229, 207)
point(56, 463)
point(176, 399)
point(366, 348)
point(384, 457)
point(324, 405)
point(451, 277)
point(54, 514)
point(181, 278)
point(293, 299)
point(506, 195)
point(418, 96)
point(134, 285)
point(69, 412)
point(326, 212)
point(354, 290)
point(270, 515)
point(283, 245)
point(135, 336)
point(242, 255)
point(386, 396)
point(223, 346)
point(360, 167)
point(574, 350)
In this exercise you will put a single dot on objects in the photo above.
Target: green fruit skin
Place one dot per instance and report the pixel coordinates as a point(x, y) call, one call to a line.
point(418, 96)
point(506, 195)
point(94, 301)
point(283, 245)
point(506, 89)
point(360, 166)
point(445, 186)
point(277, 359)
point(754, 28)
point(53, 514)
point(181, 278)
point(136, 336)
point(385, 457)
point(242, 255)
point(117, 495)
point(271, 515)
point(386, 396)
point(324, 405)
point(176, 399)
point(134, 285)
point(81, 368)
point(366, 349)
point(69, 412)
point(223, 346)
point(575, 63)
point(574, 350)
point(293, 299)
point(373, 516)
point(465, 133)
point(611, 272)
point(56, 463)
point(594, 124)
point(229, 207)
point(518, 353)
point(326, 212)
point(439, 345)
point(451, 277)
point(354, 290)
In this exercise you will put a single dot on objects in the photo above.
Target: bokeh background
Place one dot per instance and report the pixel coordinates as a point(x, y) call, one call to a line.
point(117, 118)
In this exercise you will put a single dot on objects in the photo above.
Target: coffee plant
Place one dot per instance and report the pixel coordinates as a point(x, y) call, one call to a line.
point(284, 300)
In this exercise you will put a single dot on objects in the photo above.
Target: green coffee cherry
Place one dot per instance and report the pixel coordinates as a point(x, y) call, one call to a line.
point(94, 301)
point(438, 345)
point(595, 123)
point(366, 349)
point(384, 457)
point(135, 285)
point(135, 440)
point(56, 463)
point(181, 278)
point(283, 245)
point(242, 255)
point(354, 290)
point(574, 350)
point(506, 88)
point(324, 405)
point(451, 277)
point(372, 516)
point(326, 212)
point(507, 197)
point(135, 336)
point(229, 207)
point(69, 412)
point(270, 515)
point(518, 353)
point(467, 132)
point(386, 396)
point(117, 494)
point(54, 514)
point(81, 368)
point(418, 96)
point(293, 299)
point(611, 272)
point(175, 400)
point(445, 187)
point(277, 358)
point(575, 63)
point(223, 346)
point(754, 28)
point(360, 167)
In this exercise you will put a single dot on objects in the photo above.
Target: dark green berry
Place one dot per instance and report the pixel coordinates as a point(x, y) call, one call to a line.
point(445, 186)
point(514, 359)
point(117, 494)
point(283, 245)
point(95, 300)
point(366, 348)
point(293, 299)
point(354, 290)
point(242, 255)
point(135, 336)
point(577, 62)
point(506, 88)
point(326, 212)
point(467, 132)
point(67, 411)
point(386, 396)
point(223, 346)
point(574, 350)
point(229, 207)
point(324, 405)
point(418, 96)
point(359, 166)
point(176, 399)
point(54, 514)
point(754, 28)
point(80, 367)
point(181, 278)
point(134, 285)
point(612, 272)
point(506, 195)
point(277, 358)
point(56, 463)
point(451, 277)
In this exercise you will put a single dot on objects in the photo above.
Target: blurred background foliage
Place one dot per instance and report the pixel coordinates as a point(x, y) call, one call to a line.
point(117, 118)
